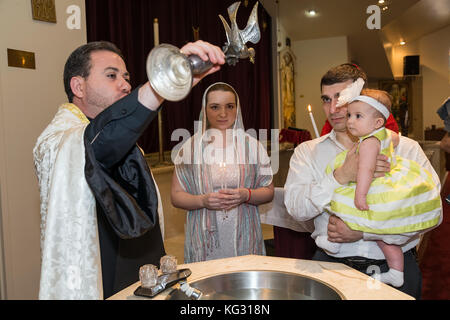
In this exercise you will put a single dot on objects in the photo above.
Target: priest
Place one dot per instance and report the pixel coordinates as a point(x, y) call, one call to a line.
point(99, 202)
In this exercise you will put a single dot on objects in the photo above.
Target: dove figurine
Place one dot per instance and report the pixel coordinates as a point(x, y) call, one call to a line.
point(235, 47)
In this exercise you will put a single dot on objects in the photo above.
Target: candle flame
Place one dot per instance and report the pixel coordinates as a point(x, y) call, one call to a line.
point(309, 108)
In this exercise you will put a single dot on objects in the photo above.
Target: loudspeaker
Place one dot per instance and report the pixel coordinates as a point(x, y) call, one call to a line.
point(411, 65)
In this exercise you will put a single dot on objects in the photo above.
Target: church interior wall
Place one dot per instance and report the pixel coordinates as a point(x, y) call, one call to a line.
point(313, 58)
point(434, 52)
point(28, 101)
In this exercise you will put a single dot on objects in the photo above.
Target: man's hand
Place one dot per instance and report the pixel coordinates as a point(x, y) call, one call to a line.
point(347, 172)
point(349, 169)
point(382, 167)
point(338, 231)
point(205, 51)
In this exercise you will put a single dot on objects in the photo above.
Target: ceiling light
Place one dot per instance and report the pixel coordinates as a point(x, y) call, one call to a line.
point(311, 13)
point(402, 42)
point(380, 1)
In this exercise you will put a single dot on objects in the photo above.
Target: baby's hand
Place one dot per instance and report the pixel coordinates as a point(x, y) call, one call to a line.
point(361, 203)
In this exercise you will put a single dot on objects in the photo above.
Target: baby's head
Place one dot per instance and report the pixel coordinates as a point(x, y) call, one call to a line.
point(368, 112)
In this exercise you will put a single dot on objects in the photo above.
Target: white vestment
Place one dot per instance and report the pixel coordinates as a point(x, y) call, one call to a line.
point(70, 249)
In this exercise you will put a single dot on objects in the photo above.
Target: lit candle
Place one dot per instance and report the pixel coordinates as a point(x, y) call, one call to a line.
point(313, 122)
point(156, 31)
point(223, 174)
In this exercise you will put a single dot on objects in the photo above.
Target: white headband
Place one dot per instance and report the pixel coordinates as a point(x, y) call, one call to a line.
point(374, 103)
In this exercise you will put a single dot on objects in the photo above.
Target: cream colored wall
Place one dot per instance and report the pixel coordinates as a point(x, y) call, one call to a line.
point(281, 36)
point(314, 58)
point(433, 49)
point(434, 53)
point(174, 218)
point(28, 101)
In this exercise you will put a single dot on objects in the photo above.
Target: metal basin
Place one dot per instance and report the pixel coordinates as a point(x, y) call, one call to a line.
point(259, 285)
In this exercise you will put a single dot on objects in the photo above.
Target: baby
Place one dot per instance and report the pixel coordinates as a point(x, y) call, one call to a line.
point(404, 201)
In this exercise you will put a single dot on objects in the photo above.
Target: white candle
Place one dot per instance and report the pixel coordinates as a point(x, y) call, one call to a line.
point(156, 31)
point(223, 174)
point(223, 169)
point(313, 121)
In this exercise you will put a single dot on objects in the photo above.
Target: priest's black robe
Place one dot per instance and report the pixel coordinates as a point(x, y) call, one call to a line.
point(127, 203)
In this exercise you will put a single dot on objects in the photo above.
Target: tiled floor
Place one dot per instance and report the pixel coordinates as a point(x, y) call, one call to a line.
point(175, 245)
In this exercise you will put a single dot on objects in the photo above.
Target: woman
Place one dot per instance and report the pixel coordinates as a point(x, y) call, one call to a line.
point(221, 175)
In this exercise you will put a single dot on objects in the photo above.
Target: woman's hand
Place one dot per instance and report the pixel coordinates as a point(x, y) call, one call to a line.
point(234, 197)
point(214, 201)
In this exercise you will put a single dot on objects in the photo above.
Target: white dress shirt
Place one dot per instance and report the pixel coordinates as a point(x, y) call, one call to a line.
point(308, 190)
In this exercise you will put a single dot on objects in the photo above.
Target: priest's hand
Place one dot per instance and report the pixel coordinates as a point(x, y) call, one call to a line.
point(205, 51)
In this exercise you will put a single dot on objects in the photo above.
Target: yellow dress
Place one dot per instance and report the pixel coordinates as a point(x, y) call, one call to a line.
point(405, 200)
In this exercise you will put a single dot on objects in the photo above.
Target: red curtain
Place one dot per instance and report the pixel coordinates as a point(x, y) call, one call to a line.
point(129, 24)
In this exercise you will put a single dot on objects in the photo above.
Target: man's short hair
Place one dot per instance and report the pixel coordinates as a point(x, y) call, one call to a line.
point(342, 73)
point(79, 62)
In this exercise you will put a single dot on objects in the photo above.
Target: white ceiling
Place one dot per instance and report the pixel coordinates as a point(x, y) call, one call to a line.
point(424, 17)
point(335, 18)
point(410, 18)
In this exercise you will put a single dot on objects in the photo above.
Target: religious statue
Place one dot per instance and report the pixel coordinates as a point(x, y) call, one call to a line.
point(288, 89)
